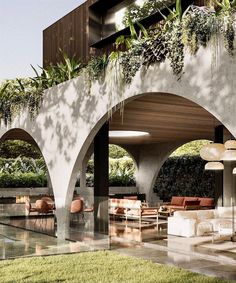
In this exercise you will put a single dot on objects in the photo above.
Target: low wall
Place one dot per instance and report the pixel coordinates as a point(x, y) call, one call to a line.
point(12, 192)
point(8, 210)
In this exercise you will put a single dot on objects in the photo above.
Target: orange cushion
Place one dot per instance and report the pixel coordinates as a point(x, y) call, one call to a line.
point(190, 199)
point(177, 201)
point(120, 210)
point(192, 202)
point(131, 197)
point(206, 201)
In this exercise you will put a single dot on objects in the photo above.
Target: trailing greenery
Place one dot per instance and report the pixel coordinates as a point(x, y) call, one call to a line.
point(184, 176)
point(137, 12)
point(96, 67)
point(130, 62)
point(198, 27)
point(19, 94)
point(99, 267)
point(16, 95)
point(179, 31)
point(16, 148)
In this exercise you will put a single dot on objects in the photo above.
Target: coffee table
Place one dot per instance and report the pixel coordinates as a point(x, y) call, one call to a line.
point(162, 219)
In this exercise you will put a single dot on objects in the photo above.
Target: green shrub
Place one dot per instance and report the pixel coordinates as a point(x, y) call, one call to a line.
point(15, 148)
point(190, 148)
point(121, 172)
point(184, 176)
point(22, 165)
point(119, 178)
point(116, 151)
point(22, 180)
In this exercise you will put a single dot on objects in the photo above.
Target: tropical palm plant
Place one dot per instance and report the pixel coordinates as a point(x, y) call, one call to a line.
point(52, 75)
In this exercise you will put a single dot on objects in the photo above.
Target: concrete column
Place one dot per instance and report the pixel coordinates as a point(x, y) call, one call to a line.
point(150, 159)
point(101, 179)
point(229, 183)
point(63, 194)
point(62, 216)
point(63, 222)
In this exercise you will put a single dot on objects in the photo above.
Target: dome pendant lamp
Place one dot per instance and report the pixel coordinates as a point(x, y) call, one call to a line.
point(212, 153)
point(214, 165)
point(230, 152)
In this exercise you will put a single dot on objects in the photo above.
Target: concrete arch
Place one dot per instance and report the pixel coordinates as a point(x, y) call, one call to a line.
point(21, 134)
point(73, 112)
point(209, 88)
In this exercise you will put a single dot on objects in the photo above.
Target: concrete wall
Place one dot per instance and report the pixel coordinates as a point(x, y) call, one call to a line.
point(72, 112)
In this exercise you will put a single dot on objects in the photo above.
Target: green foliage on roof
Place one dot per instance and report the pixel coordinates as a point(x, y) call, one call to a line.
point(179, 32)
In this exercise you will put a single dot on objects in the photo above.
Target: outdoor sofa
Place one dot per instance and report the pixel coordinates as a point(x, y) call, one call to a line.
point(200, 222)
point(188, 203)
point(131, 209)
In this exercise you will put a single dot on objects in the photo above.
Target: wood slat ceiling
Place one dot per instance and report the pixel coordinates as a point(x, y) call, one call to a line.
point(165, 117)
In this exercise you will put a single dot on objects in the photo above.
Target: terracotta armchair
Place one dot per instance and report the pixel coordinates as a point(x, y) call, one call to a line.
point(77, 208)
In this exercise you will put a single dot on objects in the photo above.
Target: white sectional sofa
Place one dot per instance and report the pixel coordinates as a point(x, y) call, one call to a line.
point(199, 222)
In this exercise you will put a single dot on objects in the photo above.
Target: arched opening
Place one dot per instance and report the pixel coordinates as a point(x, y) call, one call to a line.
point(184, 174)
point(170, 122)
point(122, 167)
point(27, 198)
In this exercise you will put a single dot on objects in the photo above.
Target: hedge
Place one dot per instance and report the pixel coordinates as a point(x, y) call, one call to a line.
point(15, 148)
point(184, 176)
point(23, 180)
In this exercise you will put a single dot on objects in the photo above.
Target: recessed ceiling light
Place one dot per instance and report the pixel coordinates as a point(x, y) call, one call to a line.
point(127, 134)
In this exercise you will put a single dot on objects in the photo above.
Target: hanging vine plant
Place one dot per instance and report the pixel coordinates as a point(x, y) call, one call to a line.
point(175, 47)
point(155, 47)
point(130, 62)
point(96, 67)
point(16, 95)
point(199, 24)
point(227, 17)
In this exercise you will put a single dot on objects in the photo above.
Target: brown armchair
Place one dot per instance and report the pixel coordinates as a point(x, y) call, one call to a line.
point(43, 207)
point(77, 208)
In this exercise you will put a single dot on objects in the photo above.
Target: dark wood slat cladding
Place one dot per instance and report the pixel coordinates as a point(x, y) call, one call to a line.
point(71, 34)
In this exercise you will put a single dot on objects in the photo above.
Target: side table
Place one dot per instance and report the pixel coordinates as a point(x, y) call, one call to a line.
point(225, 232)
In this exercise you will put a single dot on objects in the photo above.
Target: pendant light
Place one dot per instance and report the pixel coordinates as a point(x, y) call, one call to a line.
point(230, 152)
point(214, 165)
point(212, 152)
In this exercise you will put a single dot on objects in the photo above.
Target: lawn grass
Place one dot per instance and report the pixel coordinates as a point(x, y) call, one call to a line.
point(95, 267)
